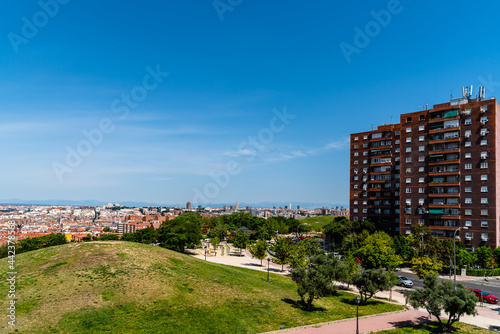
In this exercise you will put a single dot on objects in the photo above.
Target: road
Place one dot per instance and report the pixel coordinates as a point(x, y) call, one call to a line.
point(492, 286)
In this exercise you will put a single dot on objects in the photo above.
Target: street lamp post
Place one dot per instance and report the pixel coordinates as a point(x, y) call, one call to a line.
point(298, 228)
point(205, 253)
point(268, 260)
point(357, 300)
point(455, 254)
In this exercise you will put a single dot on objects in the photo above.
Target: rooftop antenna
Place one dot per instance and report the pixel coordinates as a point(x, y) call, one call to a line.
point(451, 95)
point(426, 106)
point(372, 127)
point(481, 94)
point(391, 119)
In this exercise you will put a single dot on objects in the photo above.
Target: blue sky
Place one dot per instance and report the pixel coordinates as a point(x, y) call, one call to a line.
point(227, 80)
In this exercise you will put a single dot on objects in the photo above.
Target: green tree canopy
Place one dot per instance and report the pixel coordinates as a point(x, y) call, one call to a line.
point(240, 239)
point(371, 281)
point(258, 250)
point(452, 299)
point(484, 255)
point(281, 248)
point(376, 251)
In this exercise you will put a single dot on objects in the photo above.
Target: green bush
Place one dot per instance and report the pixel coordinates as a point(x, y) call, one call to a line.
point(482, 272)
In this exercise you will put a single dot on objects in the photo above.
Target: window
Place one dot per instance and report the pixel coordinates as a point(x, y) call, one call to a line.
point(421, 148)
point(484, 223)
point(484, 236)
point(365, 137)
point(365, 153)
point(397, 133)
point(365, 202)
point(422, 118)
point(468, 133)
point(484, 177)
point(408, 190)
point(484, 200)
point(356, 154)
point(355, 218)
point(408, 159)
point(408, 119)
point(421, 138)
point(468, 212)
point(408, 180)
point(365, 170)
point(397, 141)
point(408, 221)
point(484, 120)
point(397, 159)
point(468, 223)
point(468, 144)
point(365, 210)
point(408, 149)
point(408, 139)
point(365, 145)
point(356, 138)
point(467, 111)
point(408, 130)
point(421, 169)
point(421, 221)
point(421, 180)
point(355, 162)
point(468, 177)
point(421, 201)
point(484, 189)
point(408, 201)
point(468, 201)
point(484, 212)
point(468, 155)
point(355, 210)
point(484, 155)
point(355, 186)
point(365, 161)
point(484, 132)
point(397, 150)
point(484, 165)
point(468, 235)
point(355, 178)
point(355, 202)
point(355, 145)
point(408, 231)
point(421, 190)
point(468, 189)
point(421, 128)
point(468, 121)
point(484, 108)
point(468, 166)
point(356, 194)
point(421, 158)
point(408, 169)
point(483, 142)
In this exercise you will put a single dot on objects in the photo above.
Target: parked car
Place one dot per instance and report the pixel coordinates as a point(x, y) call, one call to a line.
point(406, 282)
point(487, 297)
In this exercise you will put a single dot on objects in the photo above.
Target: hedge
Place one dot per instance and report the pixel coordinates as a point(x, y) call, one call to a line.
point(482, 272)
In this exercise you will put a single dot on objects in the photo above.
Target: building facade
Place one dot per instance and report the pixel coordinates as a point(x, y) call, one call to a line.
point(437, 168)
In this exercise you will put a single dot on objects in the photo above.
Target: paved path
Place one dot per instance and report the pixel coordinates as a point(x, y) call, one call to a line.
point(366, 324)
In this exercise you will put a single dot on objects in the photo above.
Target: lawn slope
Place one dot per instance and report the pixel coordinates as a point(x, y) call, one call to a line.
point(123, 287)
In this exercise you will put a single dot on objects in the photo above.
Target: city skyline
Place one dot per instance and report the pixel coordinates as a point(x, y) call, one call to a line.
point(169, 103)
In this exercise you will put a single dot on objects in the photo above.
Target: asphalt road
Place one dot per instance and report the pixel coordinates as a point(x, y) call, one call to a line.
point(492, 286)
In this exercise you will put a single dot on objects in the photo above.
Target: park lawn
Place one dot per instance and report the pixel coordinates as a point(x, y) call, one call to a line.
point(315, 223)
point(432, 327)
point(124, 287)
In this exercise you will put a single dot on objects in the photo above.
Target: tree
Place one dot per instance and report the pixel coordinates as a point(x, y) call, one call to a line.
point(106, 237)
point(424, 266)
point(465, 258)
point(371, 281)
point(376, 251)
point(352, 267)
point(484, 255)
point(496, 255)
point(106, 229)
point(402, 248)
point(452, 299)
point(183, 231)
point(281, 248)
point(215, 243)
point(240, 239)
point(258, 250)
point(317, 278)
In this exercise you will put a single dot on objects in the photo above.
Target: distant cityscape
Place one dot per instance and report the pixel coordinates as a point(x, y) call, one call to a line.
point(76, 222)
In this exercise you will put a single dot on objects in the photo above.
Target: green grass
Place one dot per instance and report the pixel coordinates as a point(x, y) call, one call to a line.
point(433, 327)
point(122, 287)
point(315, 223)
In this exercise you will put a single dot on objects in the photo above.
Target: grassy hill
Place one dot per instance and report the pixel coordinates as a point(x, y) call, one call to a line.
point(123, 287)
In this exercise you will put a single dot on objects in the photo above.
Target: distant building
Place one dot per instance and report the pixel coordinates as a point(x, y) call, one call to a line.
point(188, 205)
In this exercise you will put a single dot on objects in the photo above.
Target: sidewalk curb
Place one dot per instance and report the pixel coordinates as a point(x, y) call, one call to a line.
point(320, 324)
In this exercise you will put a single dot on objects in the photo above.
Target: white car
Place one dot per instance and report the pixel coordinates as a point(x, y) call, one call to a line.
point(403, 281)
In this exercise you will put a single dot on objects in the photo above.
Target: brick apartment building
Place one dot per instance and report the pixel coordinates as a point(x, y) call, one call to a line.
point(437, 167)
